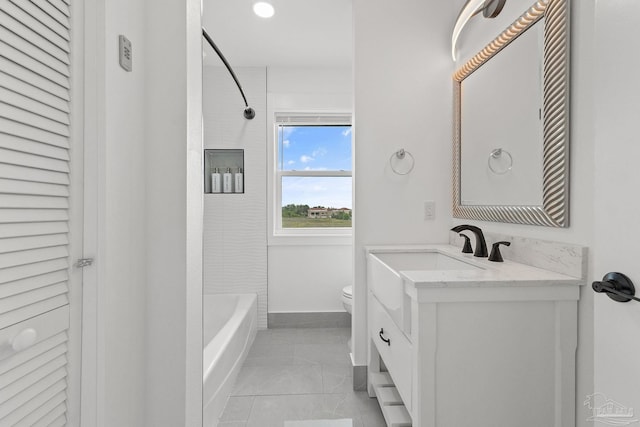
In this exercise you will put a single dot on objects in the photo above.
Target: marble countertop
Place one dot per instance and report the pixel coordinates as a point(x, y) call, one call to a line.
point(488, 273)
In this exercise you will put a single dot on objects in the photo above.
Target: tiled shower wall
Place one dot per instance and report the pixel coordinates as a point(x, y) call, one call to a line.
point(235, 225)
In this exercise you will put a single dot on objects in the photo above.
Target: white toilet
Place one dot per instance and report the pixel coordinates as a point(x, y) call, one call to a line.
point(347, 298)
point(347, 302)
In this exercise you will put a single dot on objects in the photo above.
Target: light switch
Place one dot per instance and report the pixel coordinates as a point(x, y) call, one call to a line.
point(429, 210)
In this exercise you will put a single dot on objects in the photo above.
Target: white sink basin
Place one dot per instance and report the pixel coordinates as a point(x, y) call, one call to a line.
point(386, 284)
point(403, 261)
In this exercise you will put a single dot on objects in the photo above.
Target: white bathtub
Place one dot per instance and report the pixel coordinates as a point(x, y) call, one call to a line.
point(230, 326)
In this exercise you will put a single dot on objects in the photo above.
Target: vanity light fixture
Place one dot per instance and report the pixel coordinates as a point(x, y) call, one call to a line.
point(489, 8)
point(263, 9)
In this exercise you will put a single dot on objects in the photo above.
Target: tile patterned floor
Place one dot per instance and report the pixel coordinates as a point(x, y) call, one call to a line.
point(299, 375)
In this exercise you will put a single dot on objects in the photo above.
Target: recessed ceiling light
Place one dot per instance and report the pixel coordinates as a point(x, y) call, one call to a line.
point(263, 9)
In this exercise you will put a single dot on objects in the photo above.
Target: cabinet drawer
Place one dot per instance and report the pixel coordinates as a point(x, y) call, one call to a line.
point(396, 352)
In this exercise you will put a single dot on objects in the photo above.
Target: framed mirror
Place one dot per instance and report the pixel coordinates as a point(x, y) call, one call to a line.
point(511, 123)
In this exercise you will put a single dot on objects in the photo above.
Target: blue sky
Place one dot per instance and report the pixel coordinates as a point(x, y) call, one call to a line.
point(315, 148)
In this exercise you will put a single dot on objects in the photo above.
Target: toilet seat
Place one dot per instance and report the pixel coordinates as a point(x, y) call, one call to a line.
point(347, 292)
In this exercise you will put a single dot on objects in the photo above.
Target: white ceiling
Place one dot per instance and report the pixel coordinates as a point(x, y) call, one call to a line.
point(302, 33)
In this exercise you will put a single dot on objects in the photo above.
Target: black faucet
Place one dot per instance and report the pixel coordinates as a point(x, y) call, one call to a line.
point(466, 249)
point(496, 256)
point(481, 244)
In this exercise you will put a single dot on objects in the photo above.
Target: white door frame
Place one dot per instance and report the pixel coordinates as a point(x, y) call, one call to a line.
point(616, 325)
point(76, 213)
point(91, 19)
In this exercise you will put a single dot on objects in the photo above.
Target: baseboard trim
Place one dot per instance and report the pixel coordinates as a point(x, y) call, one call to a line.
point(309, 320)
point(360, 377)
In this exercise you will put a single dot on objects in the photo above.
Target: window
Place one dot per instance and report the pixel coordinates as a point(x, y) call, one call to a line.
point(313, 174)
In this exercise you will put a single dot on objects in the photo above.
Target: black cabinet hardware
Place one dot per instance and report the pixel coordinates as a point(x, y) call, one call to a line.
point(387, 340)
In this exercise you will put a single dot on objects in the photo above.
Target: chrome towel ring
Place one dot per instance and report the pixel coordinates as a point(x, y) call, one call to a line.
point(498, 163)
point(403, 160)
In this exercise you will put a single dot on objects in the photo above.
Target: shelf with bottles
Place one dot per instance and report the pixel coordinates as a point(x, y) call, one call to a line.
point(224, 171)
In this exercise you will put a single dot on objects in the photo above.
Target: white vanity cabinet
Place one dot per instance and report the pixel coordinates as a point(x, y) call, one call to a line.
point(492, 346)
point(393, 347)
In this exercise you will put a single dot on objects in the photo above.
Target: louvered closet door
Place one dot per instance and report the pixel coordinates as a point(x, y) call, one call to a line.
point(34, 204)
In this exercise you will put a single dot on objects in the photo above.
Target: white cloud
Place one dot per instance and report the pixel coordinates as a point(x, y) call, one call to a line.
point(346, 132)
point(318, 152)
point(286, 143)
point(306, 159)
point(287, 131)
point(291, 162)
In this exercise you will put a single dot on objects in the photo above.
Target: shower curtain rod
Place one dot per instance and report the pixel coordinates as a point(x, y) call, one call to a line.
point(249, 113)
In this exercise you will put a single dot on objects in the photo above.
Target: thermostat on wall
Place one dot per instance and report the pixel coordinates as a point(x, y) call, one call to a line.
point(125, 53)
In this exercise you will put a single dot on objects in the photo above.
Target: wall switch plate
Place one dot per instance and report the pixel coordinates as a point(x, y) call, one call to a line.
point(126, 54)
point(429, 210)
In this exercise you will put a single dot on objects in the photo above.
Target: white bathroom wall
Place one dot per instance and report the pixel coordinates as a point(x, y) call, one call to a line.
point(116, 192)
point(308, 278)
point(125, 218)
point(307, 274)
point(143, 162)
point(173, 121)
point(310, 89)
point(403, 99)
point(235, 225)
point(582, 163)
point(142, 222)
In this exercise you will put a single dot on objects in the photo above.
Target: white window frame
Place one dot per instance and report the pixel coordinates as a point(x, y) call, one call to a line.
point(319, 233)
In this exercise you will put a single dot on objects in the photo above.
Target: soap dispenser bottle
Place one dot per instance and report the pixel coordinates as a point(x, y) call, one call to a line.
point(215, 181)
point(227, 182)
point(239, 181)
